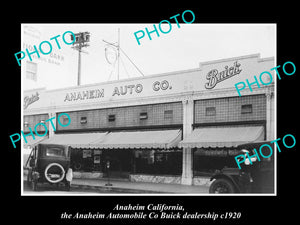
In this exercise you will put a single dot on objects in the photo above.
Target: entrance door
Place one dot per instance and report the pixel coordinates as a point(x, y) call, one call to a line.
point(120, 163)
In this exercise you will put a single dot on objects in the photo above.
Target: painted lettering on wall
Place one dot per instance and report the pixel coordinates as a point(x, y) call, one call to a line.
point(127, 89)
point(29, 100)
point(44, 50)
point(214, 76)
point(164, 85)
point(54, 58)
point(82, 95)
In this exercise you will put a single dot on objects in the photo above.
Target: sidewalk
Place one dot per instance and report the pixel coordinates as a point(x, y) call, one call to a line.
point(122, 186)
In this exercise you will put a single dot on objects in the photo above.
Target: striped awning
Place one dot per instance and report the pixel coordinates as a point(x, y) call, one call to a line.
point(161, 139)
point(218, 137)
point(77, 140)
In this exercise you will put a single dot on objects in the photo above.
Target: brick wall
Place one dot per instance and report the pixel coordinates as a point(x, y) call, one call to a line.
point(206, 111)
point(32, 120)
point(232, 109)
point(158, 114)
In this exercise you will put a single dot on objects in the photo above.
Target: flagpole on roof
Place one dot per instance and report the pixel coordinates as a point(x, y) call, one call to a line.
point(117, 46)
point(118, 52)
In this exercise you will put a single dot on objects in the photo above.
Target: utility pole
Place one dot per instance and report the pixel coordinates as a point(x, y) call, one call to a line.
point(81, 40)
point(79, 65)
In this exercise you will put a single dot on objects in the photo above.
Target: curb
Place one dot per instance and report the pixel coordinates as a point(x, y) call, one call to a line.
point(116, 189)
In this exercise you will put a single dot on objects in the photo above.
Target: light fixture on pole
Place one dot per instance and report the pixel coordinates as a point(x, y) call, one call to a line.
point(81, 40)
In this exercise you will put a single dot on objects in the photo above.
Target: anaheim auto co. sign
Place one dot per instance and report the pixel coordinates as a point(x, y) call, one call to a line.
point(128, 89)
point(198, 80)
point(214, 76)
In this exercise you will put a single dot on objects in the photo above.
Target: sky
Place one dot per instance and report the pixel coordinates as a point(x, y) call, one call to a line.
point(180, 49)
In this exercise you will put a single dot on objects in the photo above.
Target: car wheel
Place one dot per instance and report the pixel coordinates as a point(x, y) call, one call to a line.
point(48, 176)
point(77, 166)
point(221, 186)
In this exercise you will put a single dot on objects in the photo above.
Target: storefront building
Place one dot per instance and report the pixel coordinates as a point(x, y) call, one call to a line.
point(174, 127)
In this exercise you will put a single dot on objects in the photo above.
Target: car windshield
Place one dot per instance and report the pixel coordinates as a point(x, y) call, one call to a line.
point(54, 151)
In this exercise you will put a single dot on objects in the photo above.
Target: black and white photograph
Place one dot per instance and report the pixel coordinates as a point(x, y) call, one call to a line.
point(98, 119)
point(173, 115)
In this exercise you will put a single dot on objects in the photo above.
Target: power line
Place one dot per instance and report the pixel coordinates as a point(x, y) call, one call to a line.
point(132, 62)
point(125, 68)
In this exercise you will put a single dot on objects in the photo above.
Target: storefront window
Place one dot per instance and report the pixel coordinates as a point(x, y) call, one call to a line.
point(86, 160)
point(145, 156)
point(158, 162)
point(86, 154)
point(207, 161)
point(160, 157)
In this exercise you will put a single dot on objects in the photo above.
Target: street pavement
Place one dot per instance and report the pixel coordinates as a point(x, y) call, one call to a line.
point(140, 187)
point(99, 186)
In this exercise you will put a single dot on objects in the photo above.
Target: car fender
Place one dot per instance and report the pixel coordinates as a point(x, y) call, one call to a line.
point(69, 175)
point(228, 177)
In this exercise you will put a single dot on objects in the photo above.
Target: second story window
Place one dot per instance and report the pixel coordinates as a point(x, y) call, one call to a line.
point(143, 115)
point(168, 114)
point(246, 109)
point(111, 117)
point(210, 111)
point(83, 120)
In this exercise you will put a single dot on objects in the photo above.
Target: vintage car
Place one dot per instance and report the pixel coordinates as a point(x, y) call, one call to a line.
point(49, 163)
point(255, 178)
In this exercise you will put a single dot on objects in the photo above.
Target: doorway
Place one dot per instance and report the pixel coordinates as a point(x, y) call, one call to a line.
point(120, 163)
